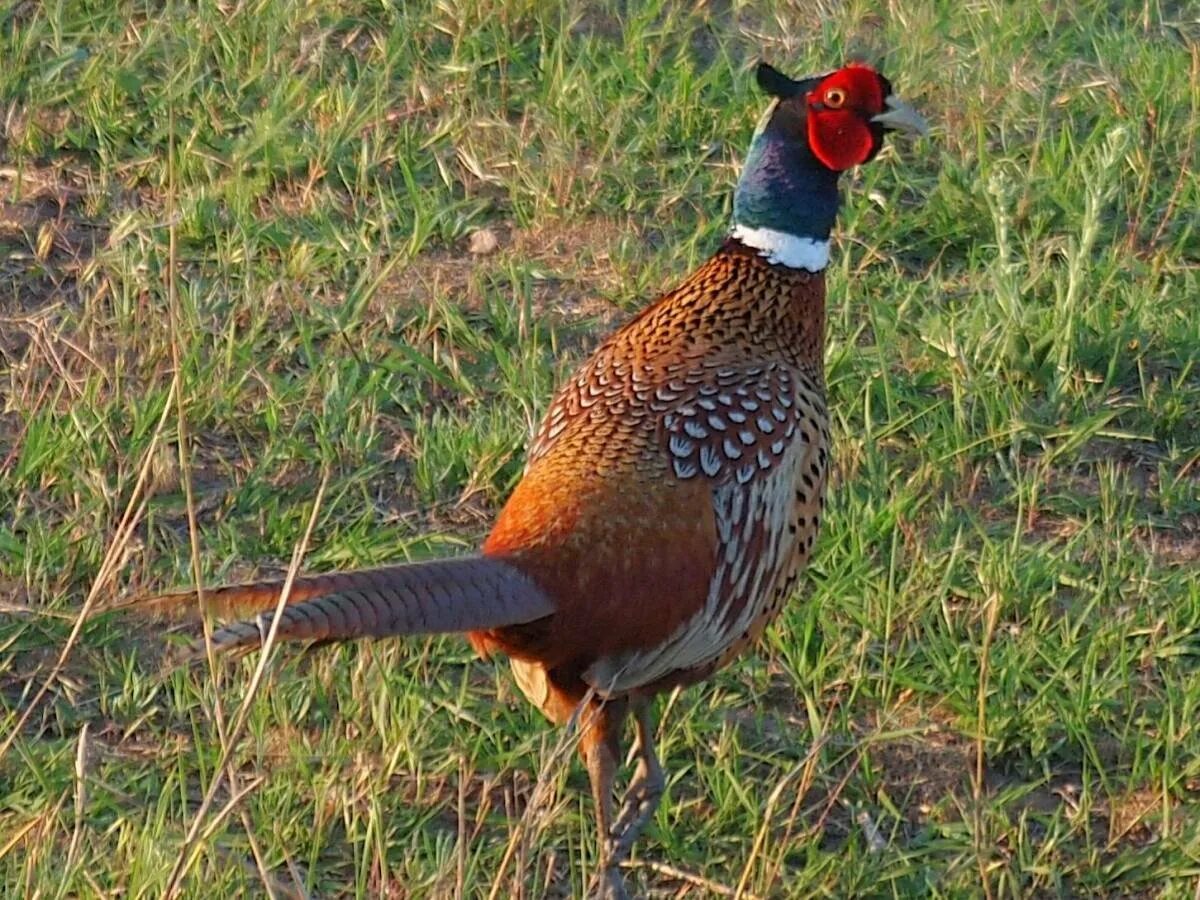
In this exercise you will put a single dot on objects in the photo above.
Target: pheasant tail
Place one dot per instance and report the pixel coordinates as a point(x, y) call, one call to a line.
point(451, 595)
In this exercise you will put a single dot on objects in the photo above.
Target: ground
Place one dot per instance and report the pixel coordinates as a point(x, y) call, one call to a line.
point(256, 255)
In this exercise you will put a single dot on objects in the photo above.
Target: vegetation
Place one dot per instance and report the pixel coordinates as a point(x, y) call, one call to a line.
point(236, 275)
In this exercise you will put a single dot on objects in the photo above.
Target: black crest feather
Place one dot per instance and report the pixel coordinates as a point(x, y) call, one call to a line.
point(775, 83)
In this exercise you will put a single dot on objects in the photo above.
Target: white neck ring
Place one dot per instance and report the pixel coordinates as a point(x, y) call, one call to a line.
point(783, 249)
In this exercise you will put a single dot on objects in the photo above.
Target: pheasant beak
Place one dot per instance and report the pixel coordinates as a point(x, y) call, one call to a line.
point(901, 117)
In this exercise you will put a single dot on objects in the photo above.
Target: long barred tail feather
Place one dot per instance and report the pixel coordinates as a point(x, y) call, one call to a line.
point(464, 594)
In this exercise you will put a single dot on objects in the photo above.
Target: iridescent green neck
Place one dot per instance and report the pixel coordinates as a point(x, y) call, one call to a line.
point(783, 187)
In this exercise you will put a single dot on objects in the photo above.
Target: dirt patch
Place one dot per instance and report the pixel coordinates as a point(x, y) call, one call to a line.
point(926, 767)
point(1179, 546)
point(46, 238)
point(922, 772)
point(1080, 483)
point(572, 262)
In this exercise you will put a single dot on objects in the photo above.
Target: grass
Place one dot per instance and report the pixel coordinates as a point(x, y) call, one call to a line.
point(990, 682)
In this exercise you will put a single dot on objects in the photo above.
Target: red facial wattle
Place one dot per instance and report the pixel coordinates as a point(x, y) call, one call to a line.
point(839, 139)
point(839, 115)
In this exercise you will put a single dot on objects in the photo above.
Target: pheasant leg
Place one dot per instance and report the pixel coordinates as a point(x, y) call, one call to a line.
point(600, 753)
point(645, 788)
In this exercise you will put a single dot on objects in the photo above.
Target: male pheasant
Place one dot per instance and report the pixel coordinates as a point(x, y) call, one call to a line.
point(672, 494)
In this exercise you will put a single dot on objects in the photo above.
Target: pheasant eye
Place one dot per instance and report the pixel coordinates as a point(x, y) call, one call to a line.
point(835, 98)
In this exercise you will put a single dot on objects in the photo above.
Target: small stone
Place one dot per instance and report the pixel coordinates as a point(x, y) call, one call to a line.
point(483, 242)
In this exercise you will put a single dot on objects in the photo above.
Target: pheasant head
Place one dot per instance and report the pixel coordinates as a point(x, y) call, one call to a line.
point(815, 128)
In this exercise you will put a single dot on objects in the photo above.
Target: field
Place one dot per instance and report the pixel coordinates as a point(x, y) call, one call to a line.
point(268, 265)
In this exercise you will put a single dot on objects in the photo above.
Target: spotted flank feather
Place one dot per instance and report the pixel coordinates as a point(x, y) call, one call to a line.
point(758, 435)
point(736, 422)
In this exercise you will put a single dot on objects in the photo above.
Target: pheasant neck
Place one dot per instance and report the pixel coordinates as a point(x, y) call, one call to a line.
point(786, 201)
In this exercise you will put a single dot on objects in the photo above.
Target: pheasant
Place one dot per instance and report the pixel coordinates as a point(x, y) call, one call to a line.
point(674, 490)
